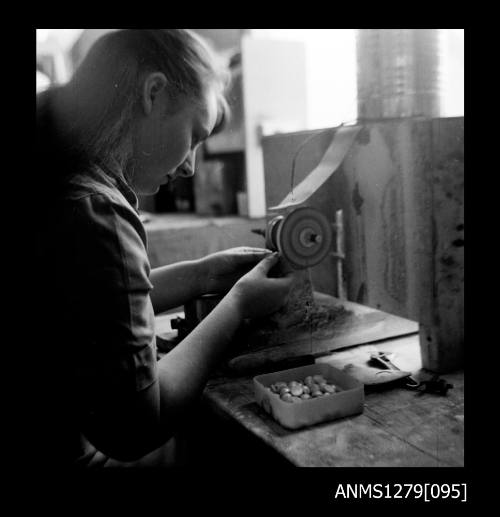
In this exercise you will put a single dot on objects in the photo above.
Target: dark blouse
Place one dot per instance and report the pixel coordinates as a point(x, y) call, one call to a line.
point(99, 350)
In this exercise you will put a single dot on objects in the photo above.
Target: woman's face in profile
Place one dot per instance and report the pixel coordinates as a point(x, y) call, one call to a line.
point(165, 143)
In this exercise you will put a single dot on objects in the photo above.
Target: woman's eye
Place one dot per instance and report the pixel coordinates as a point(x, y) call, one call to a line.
point(198, 139)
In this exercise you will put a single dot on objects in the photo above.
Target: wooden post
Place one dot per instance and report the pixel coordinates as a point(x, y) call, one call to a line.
point(442, 310)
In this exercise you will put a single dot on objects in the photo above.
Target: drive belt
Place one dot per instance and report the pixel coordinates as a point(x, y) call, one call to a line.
point(333, 157)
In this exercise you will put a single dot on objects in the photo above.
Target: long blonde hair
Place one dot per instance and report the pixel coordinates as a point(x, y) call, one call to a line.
point(99, 102)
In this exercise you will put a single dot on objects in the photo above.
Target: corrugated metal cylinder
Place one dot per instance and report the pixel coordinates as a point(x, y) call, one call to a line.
point(398, 73)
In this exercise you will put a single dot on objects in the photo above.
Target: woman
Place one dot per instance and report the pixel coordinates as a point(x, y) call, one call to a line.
point(129, 121)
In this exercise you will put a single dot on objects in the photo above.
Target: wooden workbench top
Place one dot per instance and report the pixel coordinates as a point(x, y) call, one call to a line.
point(398, 428)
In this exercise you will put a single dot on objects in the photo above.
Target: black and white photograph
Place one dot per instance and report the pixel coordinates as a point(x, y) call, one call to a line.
point(250, 255)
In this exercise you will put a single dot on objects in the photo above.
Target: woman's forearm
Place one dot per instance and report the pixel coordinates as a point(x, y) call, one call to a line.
point(176, 284)
point(184, 371)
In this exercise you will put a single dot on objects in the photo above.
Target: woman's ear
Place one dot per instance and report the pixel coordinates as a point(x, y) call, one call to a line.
point(154, 84)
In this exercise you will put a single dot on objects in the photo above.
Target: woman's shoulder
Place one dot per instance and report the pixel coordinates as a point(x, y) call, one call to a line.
point(96, 188)
point(94, 183)
point(96, 201)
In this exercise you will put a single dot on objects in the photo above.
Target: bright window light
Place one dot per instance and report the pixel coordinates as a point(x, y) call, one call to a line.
point(331, 72)
point(452, 72)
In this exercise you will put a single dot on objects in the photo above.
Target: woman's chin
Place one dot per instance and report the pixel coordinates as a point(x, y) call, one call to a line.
point(147, 191)
point(150, 188)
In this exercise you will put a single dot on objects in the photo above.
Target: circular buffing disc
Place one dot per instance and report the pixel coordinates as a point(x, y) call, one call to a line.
point(304, 237)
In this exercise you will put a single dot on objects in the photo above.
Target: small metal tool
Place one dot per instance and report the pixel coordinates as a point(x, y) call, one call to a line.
point(435, 385)
point(382, 359)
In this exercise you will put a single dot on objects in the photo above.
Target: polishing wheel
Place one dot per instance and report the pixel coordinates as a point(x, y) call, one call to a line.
point(303, 236)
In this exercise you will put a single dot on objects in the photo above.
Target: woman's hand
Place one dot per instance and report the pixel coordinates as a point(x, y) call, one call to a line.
point(220, 271)
point(256, 295)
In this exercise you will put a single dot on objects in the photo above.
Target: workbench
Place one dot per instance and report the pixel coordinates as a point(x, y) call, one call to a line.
point(398, 427)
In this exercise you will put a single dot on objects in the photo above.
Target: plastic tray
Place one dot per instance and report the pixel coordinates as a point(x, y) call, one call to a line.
point(294, 415)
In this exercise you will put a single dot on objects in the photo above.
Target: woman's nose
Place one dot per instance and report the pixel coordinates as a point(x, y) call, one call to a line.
point(188, 167)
